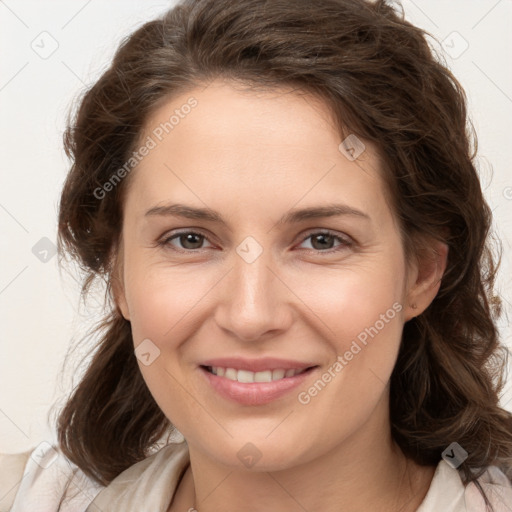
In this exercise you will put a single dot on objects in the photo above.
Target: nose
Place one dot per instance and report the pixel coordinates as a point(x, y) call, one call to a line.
point(254, 301)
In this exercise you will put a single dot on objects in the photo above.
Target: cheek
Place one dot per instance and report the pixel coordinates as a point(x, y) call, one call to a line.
point(350, 312)
point(368, 310)
point(363, 352)
point(347, 301)
point(338, 303)
point(165, 304)
point(161, 298)
point(358, 320)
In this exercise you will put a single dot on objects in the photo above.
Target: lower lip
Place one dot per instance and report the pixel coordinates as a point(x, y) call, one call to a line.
point(255, 393)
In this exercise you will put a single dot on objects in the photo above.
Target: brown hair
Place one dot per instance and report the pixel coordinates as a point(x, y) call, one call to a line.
point(383, 83)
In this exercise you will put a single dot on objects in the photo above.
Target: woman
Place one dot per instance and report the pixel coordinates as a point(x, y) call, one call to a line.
point(282, 200)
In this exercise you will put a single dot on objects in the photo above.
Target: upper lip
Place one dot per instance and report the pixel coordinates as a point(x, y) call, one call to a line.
point(257, 365)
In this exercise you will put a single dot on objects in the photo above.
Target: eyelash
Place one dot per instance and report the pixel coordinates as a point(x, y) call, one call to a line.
point(344, 243)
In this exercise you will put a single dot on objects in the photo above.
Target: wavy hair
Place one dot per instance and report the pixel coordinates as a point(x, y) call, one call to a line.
point(385, 83)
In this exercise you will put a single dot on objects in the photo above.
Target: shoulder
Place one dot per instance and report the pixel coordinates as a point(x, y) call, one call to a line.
point(40, 478)
point(149, 484)
point(12, 466)
point(448, 493)
point(496, 486)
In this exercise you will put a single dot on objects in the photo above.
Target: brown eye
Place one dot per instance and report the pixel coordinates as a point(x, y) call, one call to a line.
point(189, 241)
point(324, 241)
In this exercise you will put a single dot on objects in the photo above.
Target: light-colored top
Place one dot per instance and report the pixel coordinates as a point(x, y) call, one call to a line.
point(30, 482)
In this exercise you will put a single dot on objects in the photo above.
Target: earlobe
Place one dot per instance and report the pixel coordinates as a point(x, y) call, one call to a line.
point(430, 271)
point(123, 306)
point(119, 297)
point(117, 287)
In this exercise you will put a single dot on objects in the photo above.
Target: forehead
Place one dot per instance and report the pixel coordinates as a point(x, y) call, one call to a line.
point(248, 144)
point(229, 113)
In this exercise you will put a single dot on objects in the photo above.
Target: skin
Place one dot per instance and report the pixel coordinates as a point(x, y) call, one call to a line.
point(252, 157)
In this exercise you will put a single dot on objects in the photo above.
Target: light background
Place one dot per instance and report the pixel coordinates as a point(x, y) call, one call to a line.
point(40, 314)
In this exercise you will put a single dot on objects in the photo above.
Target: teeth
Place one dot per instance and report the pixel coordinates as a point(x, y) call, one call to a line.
point(246, 376)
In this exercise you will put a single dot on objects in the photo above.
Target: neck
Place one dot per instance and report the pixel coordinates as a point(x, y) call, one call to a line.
point(365, 472)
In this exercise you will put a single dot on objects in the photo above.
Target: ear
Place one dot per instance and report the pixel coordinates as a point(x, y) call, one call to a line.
point(117, 284)
point(424, 279)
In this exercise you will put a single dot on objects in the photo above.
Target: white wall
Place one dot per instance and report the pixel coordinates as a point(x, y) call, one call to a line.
point(39, 310)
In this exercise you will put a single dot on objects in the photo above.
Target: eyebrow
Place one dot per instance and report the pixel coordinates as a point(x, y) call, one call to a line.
point(293, 216)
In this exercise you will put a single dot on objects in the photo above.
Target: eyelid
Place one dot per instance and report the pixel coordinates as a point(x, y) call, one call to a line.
point(345, 240)
point(165, 239)
point(326, 231)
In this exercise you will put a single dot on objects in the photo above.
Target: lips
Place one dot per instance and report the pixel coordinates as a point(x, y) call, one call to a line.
point(255, 393)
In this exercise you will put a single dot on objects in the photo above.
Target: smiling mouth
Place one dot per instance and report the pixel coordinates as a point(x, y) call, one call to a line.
point(246, 376)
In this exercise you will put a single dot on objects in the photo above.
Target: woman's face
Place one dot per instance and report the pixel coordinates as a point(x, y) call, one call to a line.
point(239, 273)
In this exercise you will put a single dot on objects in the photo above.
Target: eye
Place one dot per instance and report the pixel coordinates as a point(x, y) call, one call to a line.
point(322, 241)
point(189, 241)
